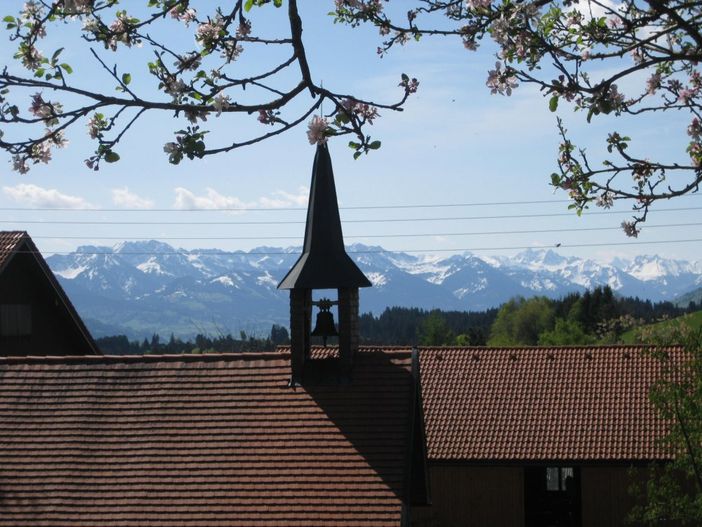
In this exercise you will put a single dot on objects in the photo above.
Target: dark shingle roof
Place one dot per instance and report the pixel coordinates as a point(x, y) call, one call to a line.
point(14, 243)
point(207, 441)
point(9, 241)
point(539, 404)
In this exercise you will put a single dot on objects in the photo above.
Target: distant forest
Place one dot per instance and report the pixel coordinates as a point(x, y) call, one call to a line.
point(593, 317)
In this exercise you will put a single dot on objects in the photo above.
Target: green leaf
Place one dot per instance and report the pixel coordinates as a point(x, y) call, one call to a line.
point(40, 72)
point(126, 78)
point(356, 155)
point(553, 103)
point(374, 145)
point(67, 68)
point(9, 19)
point(111, 157)
point(248, 5)
point(278, 3)
point(353, 145)
point(56, 54)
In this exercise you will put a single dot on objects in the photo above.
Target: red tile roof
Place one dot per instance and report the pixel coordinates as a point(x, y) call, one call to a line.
point(537, 404)
point(207, 441)
point(9, 241)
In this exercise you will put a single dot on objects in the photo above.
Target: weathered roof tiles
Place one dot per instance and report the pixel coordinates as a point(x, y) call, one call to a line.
point(540, 404)
point(217, 440)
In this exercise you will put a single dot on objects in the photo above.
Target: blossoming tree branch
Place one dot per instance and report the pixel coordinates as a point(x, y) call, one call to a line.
point(580, 53)
point(193, 68)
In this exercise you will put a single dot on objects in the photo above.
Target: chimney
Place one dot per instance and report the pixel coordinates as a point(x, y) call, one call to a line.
point(323, 264)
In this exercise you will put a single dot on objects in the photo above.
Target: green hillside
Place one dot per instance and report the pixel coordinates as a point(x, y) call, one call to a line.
point(694, 319)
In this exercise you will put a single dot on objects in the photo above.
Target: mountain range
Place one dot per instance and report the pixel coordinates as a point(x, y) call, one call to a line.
point(142, 288)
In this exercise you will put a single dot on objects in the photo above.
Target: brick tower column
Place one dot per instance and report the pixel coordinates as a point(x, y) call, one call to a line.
point(348, 327)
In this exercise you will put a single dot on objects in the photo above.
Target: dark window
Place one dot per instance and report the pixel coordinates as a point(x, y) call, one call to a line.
point(15, 320)
point(556, 478)
point(552, 496)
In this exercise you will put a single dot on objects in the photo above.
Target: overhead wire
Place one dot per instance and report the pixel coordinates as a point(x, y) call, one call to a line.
point(217, 252)
point(376, 220)
point(288, 209)
point(360, 236)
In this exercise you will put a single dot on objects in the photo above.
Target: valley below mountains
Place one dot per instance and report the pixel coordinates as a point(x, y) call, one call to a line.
point(141, 288)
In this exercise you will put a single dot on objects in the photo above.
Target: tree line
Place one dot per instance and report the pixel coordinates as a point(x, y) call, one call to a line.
point(592, 317)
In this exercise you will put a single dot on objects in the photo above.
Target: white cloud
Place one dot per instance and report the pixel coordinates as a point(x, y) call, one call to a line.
point(185, 199)
point(37, 196)
point(212, 199)
point(123, 198)
point(281, 198)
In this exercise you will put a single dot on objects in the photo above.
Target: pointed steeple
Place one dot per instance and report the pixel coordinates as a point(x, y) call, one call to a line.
point(324, 263)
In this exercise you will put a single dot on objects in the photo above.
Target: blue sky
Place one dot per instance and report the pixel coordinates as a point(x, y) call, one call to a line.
point(454, 144)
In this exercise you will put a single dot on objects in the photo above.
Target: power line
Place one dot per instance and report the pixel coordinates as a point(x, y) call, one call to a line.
point(217, 252)
point(383, 220)
point(288, 209)
point(396, 235)
point(271, 209)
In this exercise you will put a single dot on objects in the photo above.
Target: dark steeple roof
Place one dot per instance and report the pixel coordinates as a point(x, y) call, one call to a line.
point(324, 263)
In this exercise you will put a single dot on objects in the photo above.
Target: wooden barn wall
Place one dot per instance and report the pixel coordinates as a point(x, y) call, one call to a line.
point(467, 496)
point(473, 496)
point(53, 330)
point(606, 500)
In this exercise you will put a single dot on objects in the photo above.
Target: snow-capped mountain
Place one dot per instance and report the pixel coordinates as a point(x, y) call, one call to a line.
point(141, 288)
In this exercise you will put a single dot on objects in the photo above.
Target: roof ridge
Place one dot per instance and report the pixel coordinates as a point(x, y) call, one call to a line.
point(136, 358)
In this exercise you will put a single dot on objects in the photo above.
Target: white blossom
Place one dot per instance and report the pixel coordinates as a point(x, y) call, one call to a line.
point(317, 130)
point(221, 102)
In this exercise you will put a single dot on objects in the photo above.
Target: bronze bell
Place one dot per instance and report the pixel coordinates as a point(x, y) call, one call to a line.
point(325, 326)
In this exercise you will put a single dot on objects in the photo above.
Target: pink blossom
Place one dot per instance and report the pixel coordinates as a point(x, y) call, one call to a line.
point(317, 130)
point(685, 95)
point(500, 81)
point(695, 129)
point(244, 29)
point(614, 22)
point(653, 83)
point(95, 125)
point(410, 85)
point(184, 15)
point(77, 6)
point(208, 33)
point(31, 58)
point(57, 138)
point(266, 117)
point(19, 164)
point(41, 152)
point(605, 200)
point(120, 32)
point(39, 107)
point(478, 4)
point(630, 229)
point(695, 151)
point(194, 115)
point(366, 111)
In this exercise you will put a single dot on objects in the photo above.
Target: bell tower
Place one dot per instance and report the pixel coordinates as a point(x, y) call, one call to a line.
point(323, 264)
